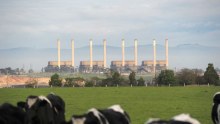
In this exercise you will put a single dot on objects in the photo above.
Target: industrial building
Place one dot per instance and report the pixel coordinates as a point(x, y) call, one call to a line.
point(147, 66)
point(155, 65)
point(125, 65)
point(61, 66)
point(122, 66)
point(94, 66)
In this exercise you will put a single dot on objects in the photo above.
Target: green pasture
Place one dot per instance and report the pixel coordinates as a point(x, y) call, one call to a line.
point(140, 102)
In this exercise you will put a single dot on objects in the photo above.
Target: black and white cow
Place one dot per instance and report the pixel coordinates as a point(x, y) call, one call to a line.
point(112, 115)
point(59, 107)
point(179, 119)
point(44, 110)
point(10, 114)
point(216, 108)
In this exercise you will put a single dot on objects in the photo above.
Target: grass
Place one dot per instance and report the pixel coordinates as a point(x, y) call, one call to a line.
point(140, 102)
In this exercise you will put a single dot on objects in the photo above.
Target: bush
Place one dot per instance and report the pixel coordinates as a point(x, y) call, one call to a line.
point(31, 83)
point(89, 83)
point(55, 80)
point(141, 82)
point(69, 82)
point(166, 77)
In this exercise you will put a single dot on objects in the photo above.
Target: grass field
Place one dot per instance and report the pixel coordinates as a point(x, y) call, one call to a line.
point(140, 102)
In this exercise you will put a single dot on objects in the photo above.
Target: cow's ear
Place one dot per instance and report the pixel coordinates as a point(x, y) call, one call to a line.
point(21, 104)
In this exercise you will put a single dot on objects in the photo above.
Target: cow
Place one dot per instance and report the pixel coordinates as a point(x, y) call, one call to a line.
point(112, 115)
point(178, 119)
point(10, 114)
point(216, 108)
point(44, 110)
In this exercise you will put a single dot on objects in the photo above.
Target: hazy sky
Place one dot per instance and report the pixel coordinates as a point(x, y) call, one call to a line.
point(39, 23)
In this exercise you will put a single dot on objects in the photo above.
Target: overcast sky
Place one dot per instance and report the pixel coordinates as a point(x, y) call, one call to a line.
point(39, 23)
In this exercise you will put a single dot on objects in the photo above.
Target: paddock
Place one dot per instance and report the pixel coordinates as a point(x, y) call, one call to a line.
point(141, 103)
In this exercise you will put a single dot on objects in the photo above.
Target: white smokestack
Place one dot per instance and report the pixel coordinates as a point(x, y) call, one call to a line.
point(167, 59)
point(104, 52)
point(123, 52)
point(72, 44)
point(91, 64)
point(154, 46)
point(135, 52)
point(58, 54)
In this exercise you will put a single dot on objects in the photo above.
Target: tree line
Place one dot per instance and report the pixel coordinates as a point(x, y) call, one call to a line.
point(189, 77)
point(165, 77)
point(112, 79)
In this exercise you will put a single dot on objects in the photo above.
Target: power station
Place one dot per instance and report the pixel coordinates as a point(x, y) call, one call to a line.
point(61, 66)
point(122, 66)
point(91, 65)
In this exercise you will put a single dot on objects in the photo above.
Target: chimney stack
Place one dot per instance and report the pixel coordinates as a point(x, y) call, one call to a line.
point(72, 44)
point(123, 52)
point(58, 54)
point(167, 59)
point(91, 64)
point(135, 52)
point(154, 47)
point(104, 52)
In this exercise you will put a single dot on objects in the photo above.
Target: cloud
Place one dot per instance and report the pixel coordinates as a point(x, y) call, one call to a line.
point(115, 19)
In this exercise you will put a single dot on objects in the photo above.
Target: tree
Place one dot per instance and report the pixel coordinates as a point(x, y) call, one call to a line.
point(166, 77)
point(211, 75)
point(89, 83)
point(141, 82)
point(132, 78)
point(186, 76)
point(200, 80)
point(116, 78)
point(55, 80)
point(94, 81)
point(108, 81)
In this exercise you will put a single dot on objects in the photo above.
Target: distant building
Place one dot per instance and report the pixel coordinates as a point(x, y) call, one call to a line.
point(123, 66)
point(65, 66)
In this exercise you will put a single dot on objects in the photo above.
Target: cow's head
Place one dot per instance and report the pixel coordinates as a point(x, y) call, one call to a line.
point(43, 110)
point(39, 110)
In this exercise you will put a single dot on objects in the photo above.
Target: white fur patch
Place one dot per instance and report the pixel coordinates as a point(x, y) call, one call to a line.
point(117, 108)
point(45, 98)
point(52, 93)
point(78, 120)
point(186, 118)
point(31, 101)
point(152, 120)
point(216, 94)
